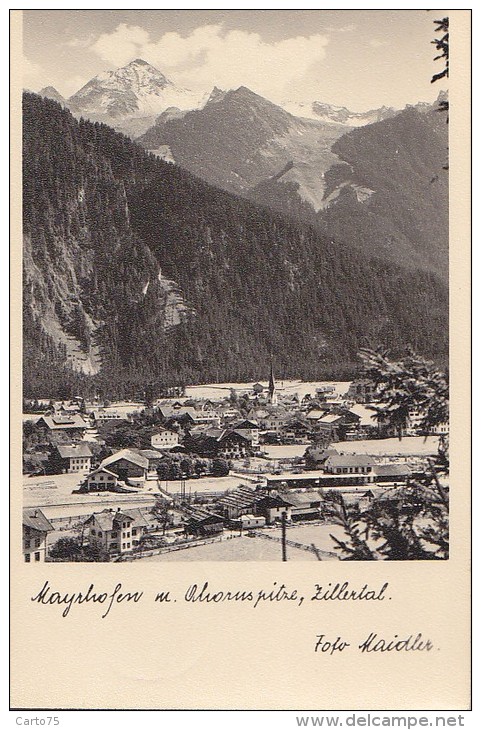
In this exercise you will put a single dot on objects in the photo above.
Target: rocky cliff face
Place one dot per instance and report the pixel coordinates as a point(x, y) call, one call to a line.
point(81, 257)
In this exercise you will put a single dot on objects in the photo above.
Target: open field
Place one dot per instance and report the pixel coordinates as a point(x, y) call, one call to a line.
point(124, 408)
point(407, 446)
point(314, 534)
point(56, 489)
point(205, 485)
point(238, 549)
point(219, 391)
point(284, 451)
point(257, 548)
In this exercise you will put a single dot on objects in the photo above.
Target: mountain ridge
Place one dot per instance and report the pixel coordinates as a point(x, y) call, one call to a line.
point(168, 279)
point(239, 139)
point(131, 97)
point(247, 145)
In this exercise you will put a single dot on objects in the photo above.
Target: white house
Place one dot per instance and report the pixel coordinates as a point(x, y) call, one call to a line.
point(442, 429)
point(358, 464)
point(164, 438)
point(101, 479)
point(35, 529)
point(75, 458)
point(249, 522)
point(116, 531)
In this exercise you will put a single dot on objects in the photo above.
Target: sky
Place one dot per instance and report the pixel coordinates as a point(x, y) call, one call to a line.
point(359, 59)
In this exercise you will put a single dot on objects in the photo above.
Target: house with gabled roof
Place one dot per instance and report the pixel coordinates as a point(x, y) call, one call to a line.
point(296, 429)
point(73, 458)
point(358, 464)
point(72, 425)
point(235, 444)
point(237, 502)
point(317, 454)
point(270, 418)
point(306, 505)
point(247, 423)
point(203, 443)
point(334, 424)
point(252, 434)
point(106, 414)
point(164, 438)
point(315, 414)
point(35, 530)
point(227, 411)
point(116, 532)
point(126, 464)
point(226, 443)
point(101, 480)
point(397, 472)
point(178, 413)
point(272, 507)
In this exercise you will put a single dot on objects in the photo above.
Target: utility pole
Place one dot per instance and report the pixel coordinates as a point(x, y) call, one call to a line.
point(284, 546)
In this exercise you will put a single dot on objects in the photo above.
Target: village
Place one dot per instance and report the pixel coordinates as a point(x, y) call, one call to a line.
point(227, 472)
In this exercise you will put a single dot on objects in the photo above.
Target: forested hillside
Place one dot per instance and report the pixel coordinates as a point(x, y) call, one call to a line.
point(405, 217)
point(136, 272)
point(380, 187)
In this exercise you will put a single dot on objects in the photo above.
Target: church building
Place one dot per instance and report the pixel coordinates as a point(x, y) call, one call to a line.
point(272, 387)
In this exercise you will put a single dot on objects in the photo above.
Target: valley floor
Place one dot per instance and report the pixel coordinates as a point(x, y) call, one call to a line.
point(258, 548)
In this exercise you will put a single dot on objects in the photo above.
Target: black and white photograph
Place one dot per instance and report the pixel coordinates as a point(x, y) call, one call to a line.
point(235, 286)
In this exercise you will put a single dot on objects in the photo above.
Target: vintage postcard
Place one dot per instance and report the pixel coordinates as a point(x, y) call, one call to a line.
point(241, 304)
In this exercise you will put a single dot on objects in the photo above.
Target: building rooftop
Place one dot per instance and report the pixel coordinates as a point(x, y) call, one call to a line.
point(330, 418)
point(128, 455)
point(58, 423)
point(108, 517)
point(393, 470)
point(73, 450)
point(336, 460)
point(150, 453)
point(315, 415)
point(239, 498)
point(273, 501)
point(304, 499)
point(102, 470)
point(36, 520)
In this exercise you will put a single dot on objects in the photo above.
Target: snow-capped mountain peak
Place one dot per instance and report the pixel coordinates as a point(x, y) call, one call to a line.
point(331, 114)
point(131, 92)
point(137, 76)
point(342, 115)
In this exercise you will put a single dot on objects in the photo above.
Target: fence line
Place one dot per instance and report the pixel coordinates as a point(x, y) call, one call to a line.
point(172, 548)
point(299, 545)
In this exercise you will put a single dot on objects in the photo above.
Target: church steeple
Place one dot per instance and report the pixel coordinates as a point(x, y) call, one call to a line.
point(272, 386)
